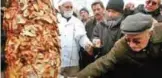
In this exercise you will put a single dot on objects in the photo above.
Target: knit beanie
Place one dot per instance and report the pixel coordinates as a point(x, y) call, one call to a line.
point(116, 5)
point(84, 9)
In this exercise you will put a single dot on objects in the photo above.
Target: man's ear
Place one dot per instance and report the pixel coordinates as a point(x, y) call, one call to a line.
point(59, 7)
point(150, 33)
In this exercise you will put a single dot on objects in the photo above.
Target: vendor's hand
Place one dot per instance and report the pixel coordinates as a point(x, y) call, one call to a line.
point(89, 49)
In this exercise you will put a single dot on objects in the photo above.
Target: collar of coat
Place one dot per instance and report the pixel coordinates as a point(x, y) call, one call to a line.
point(113, 23)
point(157, 33)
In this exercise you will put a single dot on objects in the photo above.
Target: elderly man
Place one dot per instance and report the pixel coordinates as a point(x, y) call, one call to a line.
point(151, 7)
point(139, 52)
point(73, 35)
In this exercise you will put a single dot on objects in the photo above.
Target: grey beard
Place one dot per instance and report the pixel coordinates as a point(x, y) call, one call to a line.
point(113, 18)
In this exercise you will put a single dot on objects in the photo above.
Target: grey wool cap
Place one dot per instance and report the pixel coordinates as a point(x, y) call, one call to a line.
point(136, 23)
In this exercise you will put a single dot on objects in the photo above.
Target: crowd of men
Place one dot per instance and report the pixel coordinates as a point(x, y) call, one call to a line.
point(117, 42)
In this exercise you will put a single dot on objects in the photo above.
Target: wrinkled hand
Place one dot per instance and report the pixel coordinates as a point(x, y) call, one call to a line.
point(96, 42)
point(130, 6)
point(89, 49)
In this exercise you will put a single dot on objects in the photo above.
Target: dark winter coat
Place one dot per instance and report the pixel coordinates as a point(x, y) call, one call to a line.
point(108, 32)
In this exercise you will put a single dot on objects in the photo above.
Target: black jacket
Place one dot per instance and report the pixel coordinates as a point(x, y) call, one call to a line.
point(90, 26)
point(108, 32)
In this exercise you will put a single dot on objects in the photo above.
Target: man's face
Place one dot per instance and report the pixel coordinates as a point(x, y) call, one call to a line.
point(138, 42)
point(67, 9)
point(112, 14)
point(84, 15)
point(67, 6)
point(152, 5)
point(98, 11)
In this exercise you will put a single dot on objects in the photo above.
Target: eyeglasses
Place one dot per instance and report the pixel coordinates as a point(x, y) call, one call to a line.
point(136, 41)
point(68, 7)
point(152, 2)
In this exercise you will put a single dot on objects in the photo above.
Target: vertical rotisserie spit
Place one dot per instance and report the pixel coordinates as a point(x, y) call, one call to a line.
point(32, 47)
